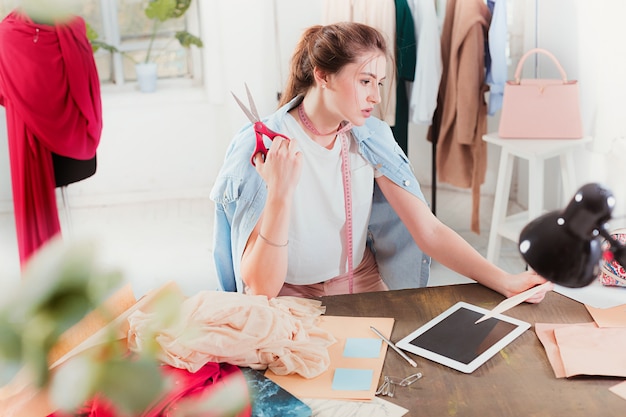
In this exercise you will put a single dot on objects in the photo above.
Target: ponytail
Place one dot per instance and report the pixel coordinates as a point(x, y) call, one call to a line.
point(328, 48)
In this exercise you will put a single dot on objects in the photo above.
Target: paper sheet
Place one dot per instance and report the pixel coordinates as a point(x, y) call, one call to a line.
point(583, 349)
point(609, 317)
point(592, 350)
point(343, 328)
point(115, 305)
point(342, 408)
point(595, 294)
point(545, 333)
point(119, 325)
point(619, 389)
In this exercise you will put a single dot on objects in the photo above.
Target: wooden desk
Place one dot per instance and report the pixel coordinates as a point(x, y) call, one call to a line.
point(517, 382)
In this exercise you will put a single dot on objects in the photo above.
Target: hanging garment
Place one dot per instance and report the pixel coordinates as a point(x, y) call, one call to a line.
point(460, 119)
point(50, 88)
point(405, 71)
point(496, 65)
point(428, 68)
point(380, 14)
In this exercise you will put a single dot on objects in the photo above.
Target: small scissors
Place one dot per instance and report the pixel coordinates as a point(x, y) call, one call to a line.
point(259, 127)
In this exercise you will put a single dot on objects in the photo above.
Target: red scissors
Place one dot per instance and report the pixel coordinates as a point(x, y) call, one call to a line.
point(259, 127)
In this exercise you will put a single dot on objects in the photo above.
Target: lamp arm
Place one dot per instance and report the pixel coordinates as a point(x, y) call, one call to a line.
point(616, 248)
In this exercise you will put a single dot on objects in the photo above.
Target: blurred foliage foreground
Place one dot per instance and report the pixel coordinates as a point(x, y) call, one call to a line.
point(60, 286)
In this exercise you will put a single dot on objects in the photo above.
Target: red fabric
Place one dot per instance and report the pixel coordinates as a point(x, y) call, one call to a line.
point(50, 88)
point(185, 385)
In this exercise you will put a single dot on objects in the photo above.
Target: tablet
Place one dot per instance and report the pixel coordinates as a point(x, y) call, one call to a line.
point(452, 338)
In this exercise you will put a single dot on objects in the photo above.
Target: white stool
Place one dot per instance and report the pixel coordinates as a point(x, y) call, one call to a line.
point(536, 152)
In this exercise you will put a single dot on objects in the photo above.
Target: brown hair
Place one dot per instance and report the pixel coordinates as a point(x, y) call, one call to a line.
point(329, 48)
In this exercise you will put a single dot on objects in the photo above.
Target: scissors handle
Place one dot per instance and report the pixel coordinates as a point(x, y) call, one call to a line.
point(261, 129)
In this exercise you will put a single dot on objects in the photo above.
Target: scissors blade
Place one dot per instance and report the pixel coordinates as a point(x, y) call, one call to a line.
point(512, 302)
point(253, 109)
point(250, 116)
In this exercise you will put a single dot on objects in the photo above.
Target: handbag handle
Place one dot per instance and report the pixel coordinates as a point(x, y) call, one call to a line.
point(518, 70)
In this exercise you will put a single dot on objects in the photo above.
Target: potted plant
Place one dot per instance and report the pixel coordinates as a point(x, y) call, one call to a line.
point(160, 11)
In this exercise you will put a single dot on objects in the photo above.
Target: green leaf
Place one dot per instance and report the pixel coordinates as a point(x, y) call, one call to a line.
point(80, 373)
point(181, 8)
point(161, 9)
point(95, 45)
point(132, 385)
point(92, 35)
point(10, 342)
point(60, 286)
point(10, 352)
point(167, 9)
point(186, 39)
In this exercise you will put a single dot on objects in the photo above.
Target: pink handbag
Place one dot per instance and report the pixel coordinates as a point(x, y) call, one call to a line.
point(540, 108)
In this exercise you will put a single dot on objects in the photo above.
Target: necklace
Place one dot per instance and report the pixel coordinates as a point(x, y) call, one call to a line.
point(307, 123)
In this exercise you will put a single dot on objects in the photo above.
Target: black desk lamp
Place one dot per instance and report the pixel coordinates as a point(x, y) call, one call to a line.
point(565, 246)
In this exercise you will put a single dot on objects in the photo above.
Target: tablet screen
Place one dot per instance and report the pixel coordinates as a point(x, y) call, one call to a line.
point(454, 340)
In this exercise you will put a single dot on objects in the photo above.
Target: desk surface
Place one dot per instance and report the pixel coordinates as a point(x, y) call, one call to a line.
point(517, 382)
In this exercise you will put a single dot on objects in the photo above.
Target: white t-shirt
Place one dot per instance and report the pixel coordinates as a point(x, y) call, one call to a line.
point(317, 237)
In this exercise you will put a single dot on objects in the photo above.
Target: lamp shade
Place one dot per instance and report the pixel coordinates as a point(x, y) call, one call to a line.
point(564, 246)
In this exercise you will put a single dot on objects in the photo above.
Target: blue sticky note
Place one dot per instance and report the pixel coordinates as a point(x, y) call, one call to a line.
point(362, 347)
point(352, 379)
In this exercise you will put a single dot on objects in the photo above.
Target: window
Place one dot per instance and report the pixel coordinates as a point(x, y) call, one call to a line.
point(124, 25)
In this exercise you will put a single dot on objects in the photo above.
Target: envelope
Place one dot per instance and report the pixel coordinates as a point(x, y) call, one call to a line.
point(545, 333)
point(608, 317)
point(589, 350)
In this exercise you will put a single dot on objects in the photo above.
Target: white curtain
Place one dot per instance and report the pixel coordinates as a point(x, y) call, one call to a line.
point(602, 63)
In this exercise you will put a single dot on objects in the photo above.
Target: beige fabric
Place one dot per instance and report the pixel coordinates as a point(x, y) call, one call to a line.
point(245, 330)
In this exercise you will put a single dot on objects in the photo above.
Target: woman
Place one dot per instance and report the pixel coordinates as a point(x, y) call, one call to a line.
point(335, 209)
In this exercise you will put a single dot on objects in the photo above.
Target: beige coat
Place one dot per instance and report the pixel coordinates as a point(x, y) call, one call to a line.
point(460, 119)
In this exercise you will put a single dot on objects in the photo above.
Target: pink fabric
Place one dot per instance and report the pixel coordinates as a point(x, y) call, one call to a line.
point(185, 386)
point(246, 330)
point(50, 88)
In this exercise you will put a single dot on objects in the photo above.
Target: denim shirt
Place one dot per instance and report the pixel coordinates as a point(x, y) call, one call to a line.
point(239, 194)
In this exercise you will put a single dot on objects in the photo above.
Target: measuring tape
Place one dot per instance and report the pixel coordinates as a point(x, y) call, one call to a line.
point(347, 198)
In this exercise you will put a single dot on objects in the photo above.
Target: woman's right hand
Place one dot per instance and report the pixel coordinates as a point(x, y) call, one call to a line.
point(282, 166)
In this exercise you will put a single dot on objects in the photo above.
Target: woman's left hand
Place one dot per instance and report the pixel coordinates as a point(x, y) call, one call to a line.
point(521, 282)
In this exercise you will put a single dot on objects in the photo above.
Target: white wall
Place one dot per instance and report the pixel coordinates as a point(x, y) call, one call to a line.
point(152, 146)
point(171, 142)
point(587, 37)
